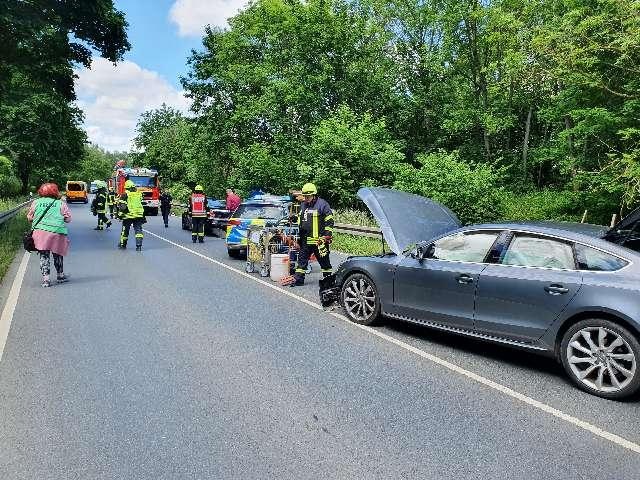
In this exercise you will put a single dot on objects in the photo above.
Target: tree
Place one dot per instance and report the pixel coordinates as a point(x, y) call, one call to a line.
point(39, 127)
point(348, 151)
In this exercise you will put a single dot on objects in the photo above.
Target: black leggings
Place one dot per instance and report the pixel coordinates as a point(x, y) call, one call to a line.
point(45, 263)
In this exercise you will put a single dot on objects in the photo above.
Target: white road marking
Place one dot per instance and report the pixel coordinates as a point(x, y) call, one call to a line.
point(612, 437)
point(10, 306)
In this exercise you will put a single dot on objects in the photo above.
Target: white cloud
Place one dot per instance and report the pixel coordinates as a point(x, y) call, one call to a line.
point(191, 16)
point(113, 97)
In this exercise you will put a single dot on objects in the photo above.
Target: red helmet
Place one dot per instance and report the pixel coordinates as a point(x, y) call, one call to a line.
point(49, 190)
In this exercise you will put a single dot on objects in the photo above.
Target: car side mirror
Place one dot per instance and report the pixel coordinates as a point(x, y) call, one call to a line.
point(425, 250)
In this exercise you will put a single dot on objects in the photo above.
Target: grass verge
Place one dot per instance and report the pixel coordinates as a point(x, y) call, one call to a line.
point(11, 233)
point(355, 245)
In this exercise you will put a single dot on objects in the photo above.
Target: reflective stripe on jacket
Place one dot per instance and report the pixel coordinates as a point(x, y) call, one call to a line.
point(315, 221)
point(198, 203)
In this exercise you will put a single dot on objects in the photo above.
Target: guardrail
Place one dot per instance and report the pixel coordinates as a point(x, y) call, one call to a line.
point(6, 215)
point(358, 230)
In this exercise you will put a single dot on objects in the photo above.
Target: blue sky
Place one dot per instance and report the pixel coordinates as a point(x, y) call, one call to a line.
point(162, 34)
point(155, 42)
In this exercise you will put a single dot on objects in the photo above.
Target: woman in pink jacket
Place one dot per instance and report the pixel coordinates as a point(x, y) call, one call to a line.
point(50, 233)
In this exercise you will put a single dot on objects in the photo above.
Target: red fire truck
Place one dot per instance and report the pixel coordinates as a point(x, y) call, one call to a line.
point(145, 179)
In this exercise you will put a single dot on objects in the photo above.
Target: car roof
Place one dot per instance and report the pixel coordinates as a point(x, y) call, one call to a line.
point(582, 233)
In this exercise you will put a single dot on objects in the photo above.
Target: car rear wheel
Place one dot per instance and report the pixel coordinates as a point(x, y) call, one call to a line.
point(233, 253)
point(360, 299)
point(601, 357)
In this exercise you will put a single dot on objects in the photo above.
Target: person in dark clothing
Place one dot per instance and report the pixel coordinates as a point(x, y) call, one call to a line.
point(99, 207)
point(316, 232)
point(165, 206)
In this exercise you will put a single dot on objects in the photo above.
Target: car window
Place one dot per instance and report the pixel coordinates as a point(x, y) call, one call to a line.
point(464, 247)
point(592, 259)
point(74, 187)
point(532, 251)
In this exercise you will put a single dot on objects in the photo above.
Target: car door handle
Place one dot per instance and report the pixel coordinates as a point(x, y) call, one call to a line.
point(464, 279)
point(555, 289)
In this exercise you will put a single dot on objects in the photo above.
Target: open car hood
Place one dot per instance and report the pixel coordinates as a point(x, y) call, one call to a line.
point(406, 219)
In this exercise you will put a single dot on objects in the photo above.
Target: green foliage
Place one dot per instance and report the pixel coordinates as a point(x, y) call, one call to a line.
point(354, 217)
point(96, 164)
point(499, 108)
point(11, 233)
point(348, 151)
point(39, 125)
point(356, 245)
point(9, 183)
point(472, 192)
point(543, 205)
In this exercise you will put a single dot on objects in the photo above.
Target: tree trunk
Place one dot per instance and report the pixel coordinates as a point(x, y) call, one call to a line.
point(525, 145)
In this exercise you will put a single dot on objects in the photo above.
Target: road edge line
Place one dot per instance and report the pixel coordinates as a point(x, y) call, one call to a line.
point(12, 300)
point(611, 437)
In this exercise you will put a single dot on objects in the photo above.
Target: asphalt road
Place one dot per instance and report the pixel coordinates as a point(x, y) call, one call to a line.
point(165, 365)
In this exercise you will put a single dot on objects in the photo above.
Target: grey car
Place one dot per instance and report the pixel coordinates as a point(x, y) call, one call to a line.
point(571, 291)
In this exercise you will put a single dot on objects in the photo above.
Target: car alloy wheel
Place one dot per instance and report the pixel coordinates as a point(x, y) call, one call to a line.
point(602, 358)
point(360, 299)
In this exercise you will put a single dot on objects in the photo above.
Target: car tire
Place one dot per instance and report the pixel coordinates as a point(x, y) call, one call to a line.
point(594, 366)
point(360, 300)
point(233, 253)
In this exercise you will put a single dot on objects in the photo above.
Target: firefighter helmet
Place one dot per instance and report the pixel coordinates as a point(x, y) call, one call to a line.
point(198, 188)
point(309, 189)
point(128, 185)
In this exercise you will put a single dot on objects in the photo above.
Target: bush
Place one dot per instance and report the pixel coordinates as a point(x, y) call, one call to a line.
point(543, 205)
point(9, 183)
point(471, 192)
point(348, 151)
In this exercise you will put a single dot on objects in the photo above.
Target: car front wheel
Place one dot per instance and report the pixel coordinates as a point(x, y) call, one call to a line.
point(360, 299)
point(601, 357)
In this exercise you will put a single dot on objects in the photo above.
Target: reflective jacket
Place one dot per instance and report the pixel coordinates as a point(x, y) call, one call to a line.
point(198, 205)
point(111, 198)
point(53, 221)
point(315, 221)
point(130, 205)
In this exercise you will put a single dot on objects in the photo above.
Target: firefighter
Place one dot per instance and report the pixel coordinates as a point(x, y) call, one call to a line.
point(131, 211)
point(99, 207)
point(165, 206)
point(316, 232)
point(198, 208)
point(111, 201)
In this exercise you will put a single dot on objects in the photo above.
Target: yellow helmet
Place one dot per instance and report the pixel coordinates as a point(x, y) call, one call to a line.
point(309, 189)
point(128, 185)
point(198, 188)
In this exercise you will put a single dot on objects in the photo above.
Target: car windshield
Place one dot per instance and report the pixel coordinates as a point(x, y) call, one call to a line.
point(270, 212)
point(75, 187)
point(143, 181)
